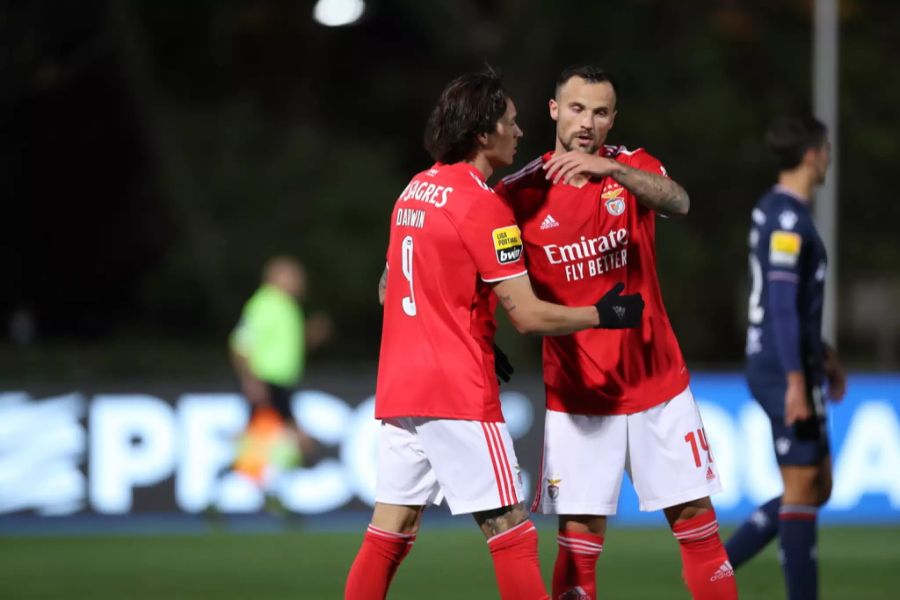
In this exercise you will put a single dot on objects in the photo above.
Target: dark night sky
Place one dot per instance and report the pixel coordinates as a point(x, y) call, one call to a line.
point(154, 155)
point(84, 232)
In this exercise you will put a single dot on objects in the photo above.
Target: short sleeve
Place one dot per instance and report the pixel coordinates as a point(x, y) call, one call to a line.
point(493, 240)
point(643, 160)
point(239, 340)
point(244, 335)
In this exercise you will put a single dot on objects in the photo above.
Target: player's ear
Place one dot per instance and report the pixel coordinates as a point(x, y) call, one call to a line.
point(810, 156)
point(554, 109)
point(482, 139)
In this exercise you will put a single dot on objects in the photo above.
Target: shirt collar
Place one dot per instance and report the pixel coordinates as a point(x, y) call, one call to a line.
point(462, 166)
point(780, 189)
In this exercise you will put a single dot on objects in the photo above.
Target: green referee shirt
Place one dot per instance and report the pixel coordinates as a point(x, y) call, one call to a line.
point(270, 336)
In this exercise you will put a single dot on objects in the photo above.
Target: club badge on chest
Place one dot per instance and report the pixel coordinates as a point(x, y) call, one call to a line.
point(612, 198)
point(615, 206)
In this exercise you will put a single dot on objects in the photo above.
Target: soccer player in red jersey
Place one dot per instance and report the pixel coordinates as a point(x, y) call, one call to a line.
point(617, 401)
point(454, 248)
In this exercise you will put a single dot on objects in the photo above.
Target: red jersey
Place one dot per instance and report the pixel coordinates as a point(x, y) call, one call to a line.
point(451, 238)
point(579, 243)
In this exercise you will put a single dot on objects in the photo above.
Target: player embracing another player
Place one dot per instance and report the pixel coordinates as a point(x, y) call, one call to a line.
point(455, 249)
point(617, 401)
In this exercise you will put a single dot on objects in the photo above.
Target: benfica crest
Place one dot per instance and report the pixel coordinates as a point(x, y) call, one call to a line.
point(615, 206)
point(553, 488)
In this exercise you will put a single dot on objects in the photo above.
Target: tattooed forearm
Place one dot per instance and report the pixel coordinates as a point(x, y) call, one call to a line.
point(507, 303)
point(654, 191)
point(382, 286)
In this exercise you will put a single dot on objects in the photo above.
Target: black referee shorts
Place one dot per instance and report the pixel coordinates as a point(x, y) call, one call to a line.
point(280, 399)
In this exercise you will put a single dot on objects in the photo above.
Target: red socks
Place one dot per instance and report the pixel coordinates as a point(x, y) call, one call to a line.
point(376, 562)
point(574, 574)
point(516, 565)
point(707, 572)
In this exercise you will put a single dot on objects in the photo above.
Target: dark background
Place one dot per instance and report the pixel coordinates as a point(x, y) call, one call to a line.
point(154, 154)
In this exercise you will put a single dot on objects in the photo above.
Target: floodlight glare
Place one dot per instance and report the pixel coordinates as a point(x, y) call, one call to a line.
point(335, 13)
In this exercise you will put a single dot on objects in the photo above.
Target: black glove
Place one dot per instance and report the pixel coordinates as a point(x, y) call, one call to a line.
point(619, 312)
point(502, 367)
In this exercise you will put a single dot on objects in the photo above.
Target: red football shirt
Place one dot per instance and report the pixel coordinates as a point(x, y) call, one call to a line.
point(579, 243)
point(451, 238)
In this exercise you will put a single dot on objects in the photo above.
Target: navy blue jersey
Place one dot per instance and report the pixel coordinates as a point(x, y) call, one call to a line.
point(787, 291)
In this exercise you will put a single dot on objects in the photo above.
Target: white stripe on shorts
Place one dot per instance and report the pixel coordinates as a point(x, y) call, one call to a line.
point(500, 462)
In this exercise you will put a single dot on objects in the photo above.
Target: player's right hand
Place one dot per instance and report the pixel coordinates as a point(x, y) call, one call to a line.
point(619, 312)
point(796, 406)
point(835, 374)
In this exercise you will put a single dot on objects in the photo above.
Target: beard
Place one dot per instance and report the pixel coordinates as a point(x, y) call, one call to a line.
point(570, 144)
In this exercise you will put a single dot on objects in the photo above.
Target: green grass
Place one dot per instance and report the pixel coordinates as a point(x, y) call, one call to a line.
point(445, 563)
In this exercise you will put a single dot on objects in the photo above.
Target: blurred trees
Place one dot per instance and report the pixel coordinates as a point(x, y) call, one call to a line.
point(157, 153)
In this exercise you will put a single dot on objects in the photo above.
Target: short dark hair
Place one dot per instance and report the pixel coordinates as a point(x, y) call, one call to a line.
point(470, 105)
point(789, 138)
point(589, 73)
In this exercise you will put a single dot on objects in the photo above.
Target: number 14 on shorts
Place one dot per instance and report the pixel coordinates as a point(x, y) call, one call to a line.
point(697, 440)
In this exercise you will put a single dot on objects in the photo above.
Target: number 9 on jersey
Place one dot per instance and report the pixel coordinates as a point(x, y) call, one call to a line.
point(406, 252)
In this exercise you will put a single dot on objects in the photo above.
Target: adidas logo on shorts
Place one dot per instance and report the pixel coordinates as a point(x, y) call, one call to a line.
point(549, 222)
point(724, 571)
point(709, 474)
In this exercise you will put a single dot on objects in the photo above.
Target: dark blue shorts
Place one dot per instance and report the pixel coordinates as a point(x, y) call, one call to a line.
point(803, 443)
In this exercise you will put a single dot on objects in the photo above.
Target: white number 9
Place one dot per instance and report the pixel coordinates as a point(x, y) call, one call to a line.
point(406, 252)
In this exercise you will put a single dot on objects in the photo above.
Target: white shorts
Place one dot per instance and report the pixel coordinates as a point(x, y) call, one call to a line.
point(470, 463)
point(663, 449)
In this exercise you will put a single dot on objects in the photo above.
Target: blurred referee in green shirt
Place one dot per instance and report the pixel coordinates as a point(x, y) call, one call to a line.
point(268, 346)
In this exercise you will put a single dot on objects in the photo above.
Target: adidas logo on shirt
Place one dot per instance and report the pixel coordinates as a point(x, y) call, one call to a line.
point(549, 222)
point(723, 571)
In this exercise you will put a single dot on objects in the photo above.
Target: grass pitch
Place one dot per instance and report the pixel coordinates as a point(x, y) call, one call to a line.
point(446, 563)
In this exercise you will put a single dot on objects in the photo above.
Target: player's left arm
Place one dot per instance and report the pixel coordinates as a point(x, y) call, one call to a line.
point(648, 181)
point(835, 373)
point(783, 277)
point(240, 346)
point(654, 190)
